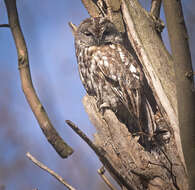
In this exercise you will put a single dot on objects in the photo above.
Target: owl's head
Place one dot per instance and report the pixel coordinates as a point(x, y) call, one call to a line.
point(97, 31)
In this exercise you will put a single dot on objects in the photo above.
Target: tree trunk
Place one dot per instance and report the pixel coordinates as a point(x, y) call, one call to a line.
point(184, 76)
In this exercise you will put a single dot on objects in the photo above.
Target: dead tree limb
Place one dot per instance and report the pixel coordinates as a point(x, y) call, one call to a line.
point(104, 158)
point(155, 8)
point(128, 157)
point(184, 80)
point(91, 7)
point(27, 86)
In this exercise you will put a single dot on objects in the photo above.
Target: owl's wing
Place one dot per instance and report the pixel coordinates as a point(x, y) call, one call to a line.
point(116, 63)
point(121, 70)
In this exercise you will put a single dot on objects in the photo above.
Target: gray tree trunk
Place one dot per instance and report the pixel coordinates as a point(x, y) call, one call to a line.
point(184, 81)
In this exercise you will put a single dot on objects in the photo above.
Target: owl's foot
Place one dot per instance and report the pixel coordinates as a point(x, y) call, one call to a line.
point(162, 136)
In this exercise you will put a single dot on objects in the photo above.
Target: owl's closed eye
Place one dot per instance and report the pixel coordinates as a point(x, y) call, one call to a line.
point(97, 31)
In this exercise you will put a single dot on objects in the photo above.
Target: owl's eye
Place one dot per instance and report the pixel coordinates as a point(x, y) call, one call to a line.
point(106, 32)
point(87, 33)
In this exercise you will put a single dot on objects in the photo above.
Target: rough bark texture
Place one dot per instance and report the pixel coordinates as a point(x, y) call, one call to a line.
point(140, 168)
point(183, 69)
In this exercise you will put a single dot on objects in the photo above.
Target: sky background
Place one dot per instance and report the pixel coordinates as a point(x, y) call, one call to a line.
point(54, 72)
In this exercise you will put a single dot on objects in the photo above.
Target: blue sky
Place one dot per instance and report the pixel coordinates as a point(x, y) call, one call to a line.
point(54, 72)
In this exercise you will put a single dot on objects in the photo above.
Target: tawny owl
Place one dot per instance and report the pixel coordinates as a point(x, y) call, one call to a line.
point(108, 71)
point(112, 75)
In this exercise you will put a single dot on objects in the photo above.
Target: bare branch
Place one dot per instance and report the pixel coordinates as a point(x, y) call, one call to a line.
point(91, 8)
point(4, 25)
point(101, 172)
point(155, 8)
point(23, 63)
point(100, 152)
point(42, 166)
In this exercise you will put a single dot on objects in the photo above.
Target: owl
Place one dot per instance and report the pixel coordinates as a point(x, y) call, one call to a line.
point(110, 73)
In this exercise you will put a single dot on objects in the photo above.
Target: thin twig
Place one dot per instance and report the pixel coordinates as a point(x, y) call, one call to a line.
point(23, 63)
point(155, 8)
point(101, 172)
point(42, 166)
point(4, 25)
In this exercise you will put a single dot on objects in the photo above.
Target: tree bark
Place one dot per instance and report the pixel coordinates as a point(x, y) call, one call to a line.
point(183, 68)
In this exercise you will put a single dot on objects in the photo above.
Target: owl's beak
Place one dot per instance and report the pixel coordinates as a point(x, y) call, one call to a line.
point(99, 40)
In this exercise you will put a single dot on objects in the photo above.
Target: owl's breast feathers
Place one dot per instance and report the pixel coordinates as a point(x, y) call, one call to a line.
point(112, 62)
point(111, 74)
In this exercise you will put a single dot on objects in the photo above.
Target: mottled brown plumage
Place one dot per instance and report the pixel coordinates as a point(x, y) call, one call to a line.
point(112, 75)
point(108, 71)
